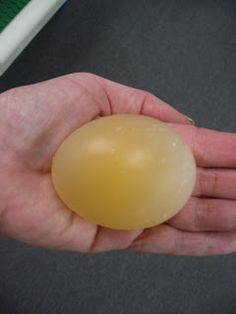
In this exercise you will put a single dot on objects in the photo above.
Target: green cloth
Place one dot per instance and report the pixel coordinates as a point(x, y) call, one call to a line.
point(9, 9)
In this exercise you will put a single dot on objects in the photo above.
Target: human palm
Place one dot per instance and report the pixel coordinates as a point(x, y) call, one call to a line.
point(36, 119)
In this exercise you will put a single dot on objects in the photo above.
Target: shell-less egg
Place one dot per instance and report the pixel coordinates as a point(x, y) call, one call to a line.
point(124, 172)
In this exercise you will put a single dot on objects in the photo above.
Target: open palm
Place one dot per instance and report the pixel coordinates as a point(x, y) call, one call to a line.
point(36, 119)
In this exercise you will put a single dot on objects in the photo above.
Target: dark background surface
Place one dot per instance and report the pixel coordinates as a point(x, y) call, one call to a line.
point(184, 52)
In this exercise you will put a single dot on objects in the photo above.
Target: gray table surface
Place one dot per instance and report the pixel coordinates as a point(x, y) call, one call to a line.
point(184, 52)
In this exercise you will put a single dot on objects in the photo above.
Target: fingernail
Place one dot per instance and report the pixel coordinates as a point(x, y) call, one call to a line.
point(190, 121)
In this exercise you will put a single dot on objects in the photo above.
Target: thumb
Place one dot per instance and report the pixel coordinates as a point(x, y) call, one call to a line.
point(124, 99)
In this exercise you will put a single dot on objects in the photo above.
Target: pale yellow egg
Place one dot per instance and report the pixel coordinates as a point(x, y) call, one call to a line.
point(124, 172)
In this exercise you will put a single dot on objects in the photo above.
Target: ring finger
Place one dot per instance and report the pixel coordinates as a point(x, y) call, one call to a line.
point(202, 214)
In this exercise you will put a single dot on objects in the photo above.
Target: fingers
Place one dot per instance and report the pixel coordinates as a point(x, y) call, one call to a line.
point(217, 183)
point(201, 214)
point(211, 148)
point(124, 99)
point(167, 240)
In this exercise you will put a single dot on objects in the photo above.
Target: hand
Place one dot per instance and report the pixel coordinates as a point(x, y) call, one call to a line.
point(35, 120)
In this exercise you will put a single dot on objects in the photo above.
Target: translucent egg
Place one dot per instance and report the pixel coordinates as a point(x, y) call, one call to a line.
point(124, 172)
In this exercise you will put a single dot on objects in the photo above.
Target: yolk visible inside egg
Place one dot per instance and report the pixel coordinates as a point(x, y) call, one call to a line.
point(124, 172)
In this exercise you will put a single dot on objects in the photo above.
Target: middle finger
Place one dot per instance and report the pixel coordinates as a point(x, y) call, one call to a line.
point(217, 183)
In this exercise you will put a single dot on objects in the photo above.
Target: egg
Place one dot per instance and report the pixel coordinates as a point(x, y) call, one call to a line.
point(124, 172)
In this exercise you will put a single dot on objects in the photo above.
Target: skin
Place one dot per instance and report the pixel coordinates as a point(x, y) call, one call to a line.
point(36, 119)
